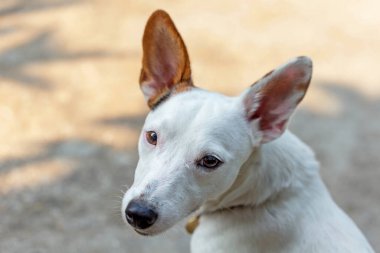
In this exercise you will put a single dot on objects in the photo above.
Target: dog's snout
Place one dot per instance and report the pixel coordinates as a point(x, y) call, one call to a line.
point(140, 215)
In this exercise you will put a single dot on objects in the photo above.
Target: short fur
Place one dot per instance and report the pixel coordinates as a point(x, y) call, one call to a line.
point(267, 195)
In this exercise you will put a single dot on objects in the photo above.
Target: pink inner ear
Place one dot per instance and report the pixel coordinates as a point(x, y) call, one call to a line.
point(273, 99)
point(164, 62)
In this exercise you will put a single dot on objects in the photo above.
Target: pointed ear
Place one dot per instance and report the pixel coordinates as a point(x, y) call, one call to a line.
point(270, 102)
point(166, 64)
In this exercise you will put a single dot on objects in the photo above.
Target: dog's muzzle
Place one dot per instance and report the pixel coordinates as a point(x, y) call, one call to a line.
point(140, 214)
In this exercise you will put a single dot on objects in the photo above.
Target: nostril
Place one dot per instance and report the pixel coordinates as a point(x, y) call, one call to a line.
point(140, 215)
point(129, 216)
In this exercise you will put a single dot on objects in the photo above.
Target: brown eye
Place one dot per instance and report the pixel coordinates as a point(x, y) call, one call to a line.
point(209, 162)
point(151, 137)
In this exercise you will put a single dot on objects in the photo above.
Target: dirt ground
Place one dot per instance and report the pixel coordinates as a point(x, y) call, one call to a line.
point(71, 109)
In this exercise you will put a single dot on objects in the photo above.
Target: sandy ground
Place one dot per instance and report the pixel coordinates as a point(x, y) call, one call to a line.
point(71, 109)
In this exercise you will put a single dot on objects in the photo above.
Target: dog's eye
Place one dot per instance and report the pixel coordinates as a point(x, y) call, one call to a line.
point(151, 137)
point(210, 162)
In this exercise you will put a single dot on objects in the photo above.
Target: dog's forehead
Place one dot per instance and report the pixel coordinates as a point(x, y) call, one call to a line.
point(194, 109)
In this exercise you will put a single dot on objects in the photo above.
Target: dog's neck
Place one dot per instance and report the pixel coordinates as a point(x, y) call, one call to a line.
point(279, 167)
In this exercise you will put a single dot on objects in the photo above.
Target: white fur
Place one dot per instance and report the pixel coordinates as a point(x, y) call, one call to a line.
point(286, 206)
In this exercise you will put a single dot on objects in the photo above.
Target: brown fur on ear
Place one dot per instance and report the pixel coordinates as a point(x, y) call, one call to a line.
point(165, 62)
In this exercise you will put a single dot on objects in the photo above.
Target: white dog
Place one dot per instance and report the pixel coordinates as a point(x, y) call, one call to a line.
point(255, 185)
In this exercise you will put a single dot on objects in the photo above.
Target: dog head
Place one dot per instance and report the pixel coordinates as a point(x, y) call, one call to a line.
point(194, 142)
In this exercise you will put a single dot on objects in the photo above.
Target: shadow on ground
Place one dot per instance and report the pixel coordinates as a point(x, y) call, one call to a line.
point(28, 6)
point(42, 48)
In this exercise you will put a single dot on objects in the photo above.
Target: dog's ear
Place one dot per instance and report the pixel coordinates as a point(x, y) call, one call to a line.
point(270, 101)
point(166, 64)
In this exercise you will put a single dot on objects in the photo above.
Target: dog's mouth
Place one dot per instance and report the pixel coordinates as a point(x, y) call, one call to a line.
point(142, 233)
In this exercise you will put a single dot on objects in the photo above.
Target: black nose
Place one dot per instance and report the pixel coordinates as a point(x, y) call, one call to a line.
point(140, 215)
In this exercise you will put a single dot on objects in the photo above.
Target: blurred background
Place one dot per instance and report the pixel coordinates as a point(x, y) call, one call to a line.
point(71, 109)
